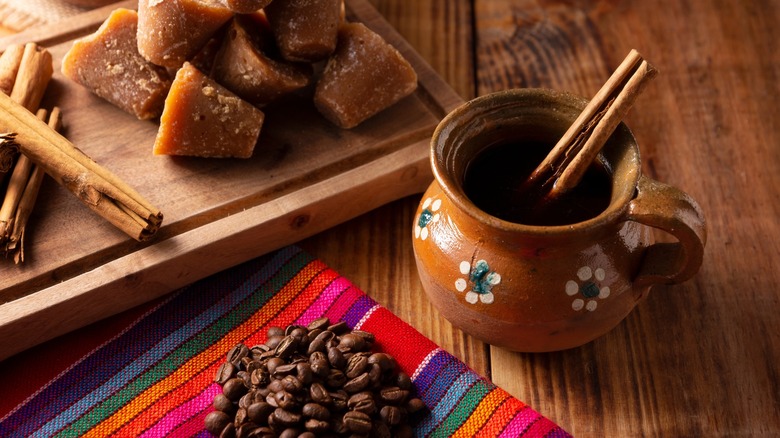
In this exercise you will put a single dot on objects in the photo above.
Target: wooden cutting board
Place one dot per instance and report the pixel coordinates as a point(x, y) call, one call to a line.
point(306, 175)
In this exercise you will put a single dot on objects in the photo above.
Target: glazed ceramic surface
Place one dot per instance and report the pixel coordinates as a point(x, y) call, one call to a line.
point(545, 288)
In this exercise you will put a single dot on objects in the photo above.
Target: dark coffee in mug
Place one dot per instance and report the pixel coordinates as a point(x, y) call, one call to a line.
point(494, 180)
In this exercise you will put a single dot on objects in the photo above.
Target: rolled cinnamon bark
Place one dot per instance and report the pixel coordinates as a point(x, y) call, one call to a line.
point(170, 32)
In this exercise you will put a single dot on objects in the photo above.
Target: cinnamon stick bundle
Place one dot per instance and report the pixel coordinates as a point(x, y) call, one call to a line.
point(10, 61)
point(95, 186)
point(14, 245)
point(25, 72)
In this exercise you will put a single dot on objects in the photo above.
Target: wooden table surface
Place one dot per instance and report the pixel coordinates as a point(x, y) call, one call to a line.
point(697, 359)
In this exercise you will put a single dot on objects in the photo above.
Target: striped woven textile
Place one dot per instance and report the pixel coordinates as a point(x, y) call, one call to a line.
point(150, 371)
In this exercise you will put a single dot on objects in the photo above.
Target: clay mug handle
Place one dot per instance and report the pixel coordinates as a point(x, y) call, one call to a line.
point(668, 208)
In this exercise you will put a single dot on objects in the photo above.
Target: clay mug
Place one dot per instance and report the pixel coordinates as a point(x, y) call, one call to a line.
point(535, 288)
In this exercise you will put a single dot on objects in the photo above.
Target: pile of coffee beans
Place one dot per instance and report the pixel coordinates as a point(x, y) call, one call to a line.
point(318, 380)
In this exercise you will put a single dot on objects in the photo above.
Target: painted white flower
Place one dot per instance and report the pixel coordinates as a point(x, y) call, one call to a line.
point(586, 291)
point(481, 279)
point(428, 215)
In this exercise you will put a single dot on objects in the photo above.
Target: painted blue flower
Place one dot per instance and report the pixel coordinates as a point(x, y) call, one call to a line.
point(428, 215)
point(481, 279)
point(587, 290)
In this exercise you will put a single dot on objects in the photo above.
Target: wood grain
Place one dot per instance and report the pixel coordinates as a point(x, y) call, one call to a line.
point(698, 359)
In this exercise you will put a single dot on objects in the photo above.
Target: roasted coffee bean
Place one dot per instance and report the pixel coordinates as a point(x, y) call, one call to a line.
point(284, 370)
point(289, 329)
point(275, 385)
point(299, 333)
point(357, 384)
point(316, 411)
point(244, 376)
point(392, 415)
point(335, 379)
point(383, 360)
point(403, 381)
point(357, 422)
point(271, 400)
point(307, 435)
point(285, 417)
point(275, 331)
point(304, 372)
point(234, 389)
point(414, 405)
point(319, 394)
point(362, 402)
point(259, 412)
point(367, 336)
point(237, 353)
point(286, 347)
point(240, 417)
point(272, 362)
point(319, 323)
point(339, 328)
point(262, 432)
point(274, 341)
point(375, 374)
point(222, 403)
point(315, 345)
point(290, 433)
point(259, 377)
point(252, 365)
point(292, 384)
point(336, 358)
point(225, 372)
point(228, 432)
point(216, 421)
point(245, 361)
point(312, 334)
point(339, 398)
point(316, 426)
point(319, 363)
point(259, 348)
point(352, 342)
point(393, 395)
point(245, 429)
point(285, 400)
point(246, 400)
point(356, 365)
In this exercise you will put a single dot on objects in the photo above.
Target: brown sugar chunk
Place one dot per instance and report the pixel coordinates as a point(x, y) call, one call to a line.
point(243, 65)
point(172, 31)
point(204, 119)
point(305, 30)
point(363, 77)
point(246, 6)
point(108, 64)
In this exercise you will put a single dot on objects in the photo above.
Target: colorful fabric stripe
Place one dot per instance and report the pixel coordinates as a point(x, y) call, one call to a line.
point(153, 374)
